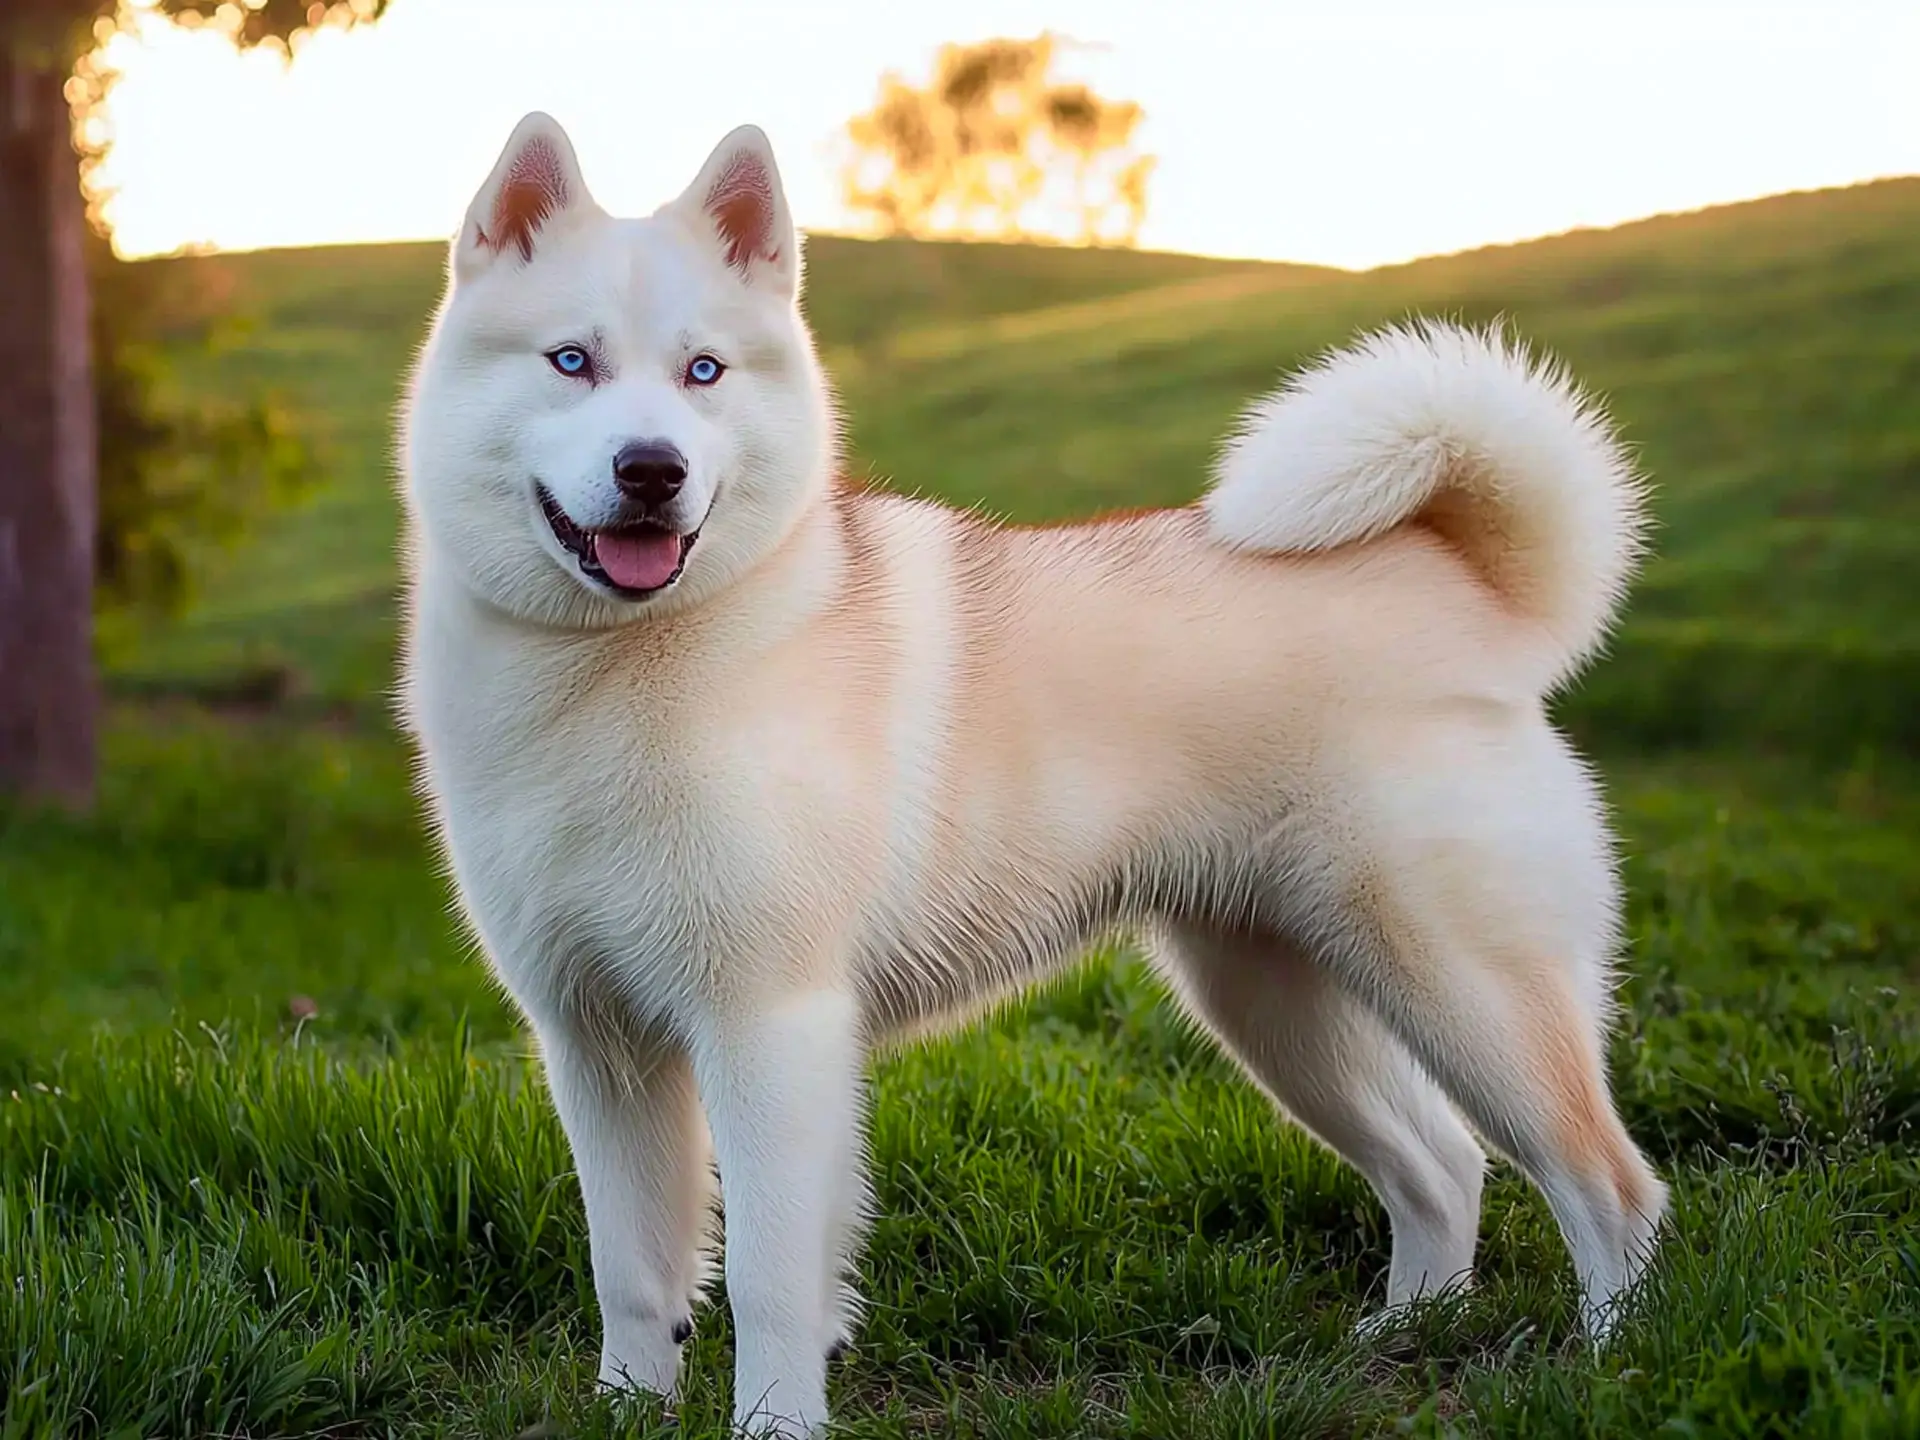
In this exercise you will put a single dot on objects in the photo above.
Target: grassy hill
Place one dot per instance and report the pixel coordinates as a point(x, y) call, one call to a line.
point(1761, 357)
point(272, 1160)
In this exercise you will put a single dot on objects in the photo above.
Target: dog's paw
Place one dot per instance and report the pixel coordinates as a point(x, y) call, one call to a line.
point(1600, 1322)
point(1399, 1317)
point(644, 1365)
point(1384, 1323)
point(785, 1414)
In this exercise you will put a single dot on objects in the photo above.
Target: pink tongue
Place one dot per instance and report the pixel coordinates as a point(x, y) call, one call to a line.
point(638, 559)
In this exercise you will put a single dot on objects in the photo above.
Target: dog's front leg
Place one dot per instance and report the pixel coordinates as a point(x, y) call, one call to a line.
point(632, 1118)
point(782, 1091)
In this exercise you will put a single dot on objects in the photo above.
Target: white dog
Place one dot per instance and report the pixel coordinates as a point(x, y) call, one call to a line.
point(742, 771)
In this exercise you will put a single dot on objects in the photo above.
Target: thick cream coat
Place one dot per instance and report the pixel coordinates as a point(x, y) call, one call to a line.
point(874, 763)
point(927, 758)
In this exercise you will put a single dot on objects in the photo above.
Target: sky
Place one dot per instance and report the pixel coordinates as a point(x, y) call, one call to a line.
point(1342, 132)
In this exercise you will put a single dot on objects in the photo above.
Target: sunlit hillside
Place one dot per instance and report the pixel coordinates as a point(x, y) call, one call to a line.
point(1761, 358)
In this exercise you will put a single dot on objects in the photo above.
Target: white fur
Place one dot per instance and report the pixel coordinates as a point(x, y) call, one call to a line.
point(1373, 434)
point(870, 764)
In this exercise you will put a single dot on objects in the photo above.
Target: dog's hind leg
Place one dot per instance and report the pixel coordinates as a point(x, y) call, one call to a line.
point(1332, 1065)
point(1482, 921)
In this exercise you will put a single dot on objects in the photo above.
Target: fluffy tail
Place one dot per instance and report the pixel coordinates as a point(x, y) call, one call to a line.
point(1498, 452)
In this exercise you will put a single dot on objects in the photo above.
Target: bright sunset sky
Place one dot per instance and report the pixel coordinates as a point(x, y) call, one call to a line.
point(1347, 132)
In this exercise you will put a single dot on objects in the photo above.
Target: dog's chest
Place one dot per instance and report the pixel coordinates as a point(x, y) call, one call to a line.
point(584, 858)
point(597, 841)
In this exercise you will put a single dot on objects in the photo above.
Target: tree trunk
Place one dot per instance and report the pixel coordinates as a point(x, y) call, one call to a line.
point(48, 695)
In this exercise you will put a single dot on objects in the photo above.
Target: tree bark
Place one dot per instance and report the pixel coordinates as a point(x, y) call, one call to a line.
point(49, 698)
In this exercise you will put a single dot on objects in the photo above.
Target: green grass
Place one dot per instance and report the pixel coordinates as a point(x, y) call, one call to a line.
point(273, 1161)
point(1088, 1225)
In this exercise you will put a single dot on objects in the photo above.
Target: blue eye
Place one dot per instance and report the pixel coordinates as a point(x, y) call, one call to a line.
point(704, 370)
point(570, 360)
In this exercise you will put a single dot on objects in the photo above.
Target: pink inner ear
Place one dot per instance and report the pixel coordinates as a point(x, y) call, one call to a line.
point(741, 204)
point(535, 187)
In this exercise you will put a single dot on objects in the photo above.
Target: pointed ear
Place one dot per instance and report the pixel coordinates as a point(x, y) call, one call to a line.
point(535, 185)
point(738, 201)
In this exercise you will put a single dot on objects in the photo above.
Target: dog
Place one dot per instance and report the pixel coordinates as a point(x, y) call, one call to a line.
point(741, 770)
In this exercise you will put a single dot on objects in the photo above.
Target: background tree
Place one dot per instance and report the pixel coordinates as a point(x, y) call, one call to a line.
point(52, 439)
point(995, 146)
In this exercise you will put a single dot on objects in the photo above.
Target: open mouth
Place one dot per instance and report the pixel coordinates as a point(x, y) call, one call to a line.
point(634, 561)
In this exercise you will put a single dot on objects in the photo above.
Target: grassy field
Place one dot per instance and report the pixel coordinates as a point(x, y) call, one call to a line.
point(274, 1162)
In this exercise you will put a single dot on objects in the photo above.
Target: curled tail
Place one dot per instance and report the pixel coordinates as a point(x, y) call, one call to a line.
point(1498, 452)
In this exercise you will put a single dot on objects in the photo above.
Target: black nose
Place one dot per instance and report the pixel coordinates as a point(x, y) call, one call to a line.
point(650, 471)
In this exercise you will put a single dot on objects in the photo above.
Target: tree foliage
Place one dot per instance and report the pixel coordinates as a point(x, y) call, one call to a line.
point(60, 31)
point(995, 146)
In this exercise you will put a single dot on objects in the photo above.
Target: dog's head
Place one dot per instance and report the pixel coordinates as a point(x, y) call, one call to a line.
point(614, 417)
